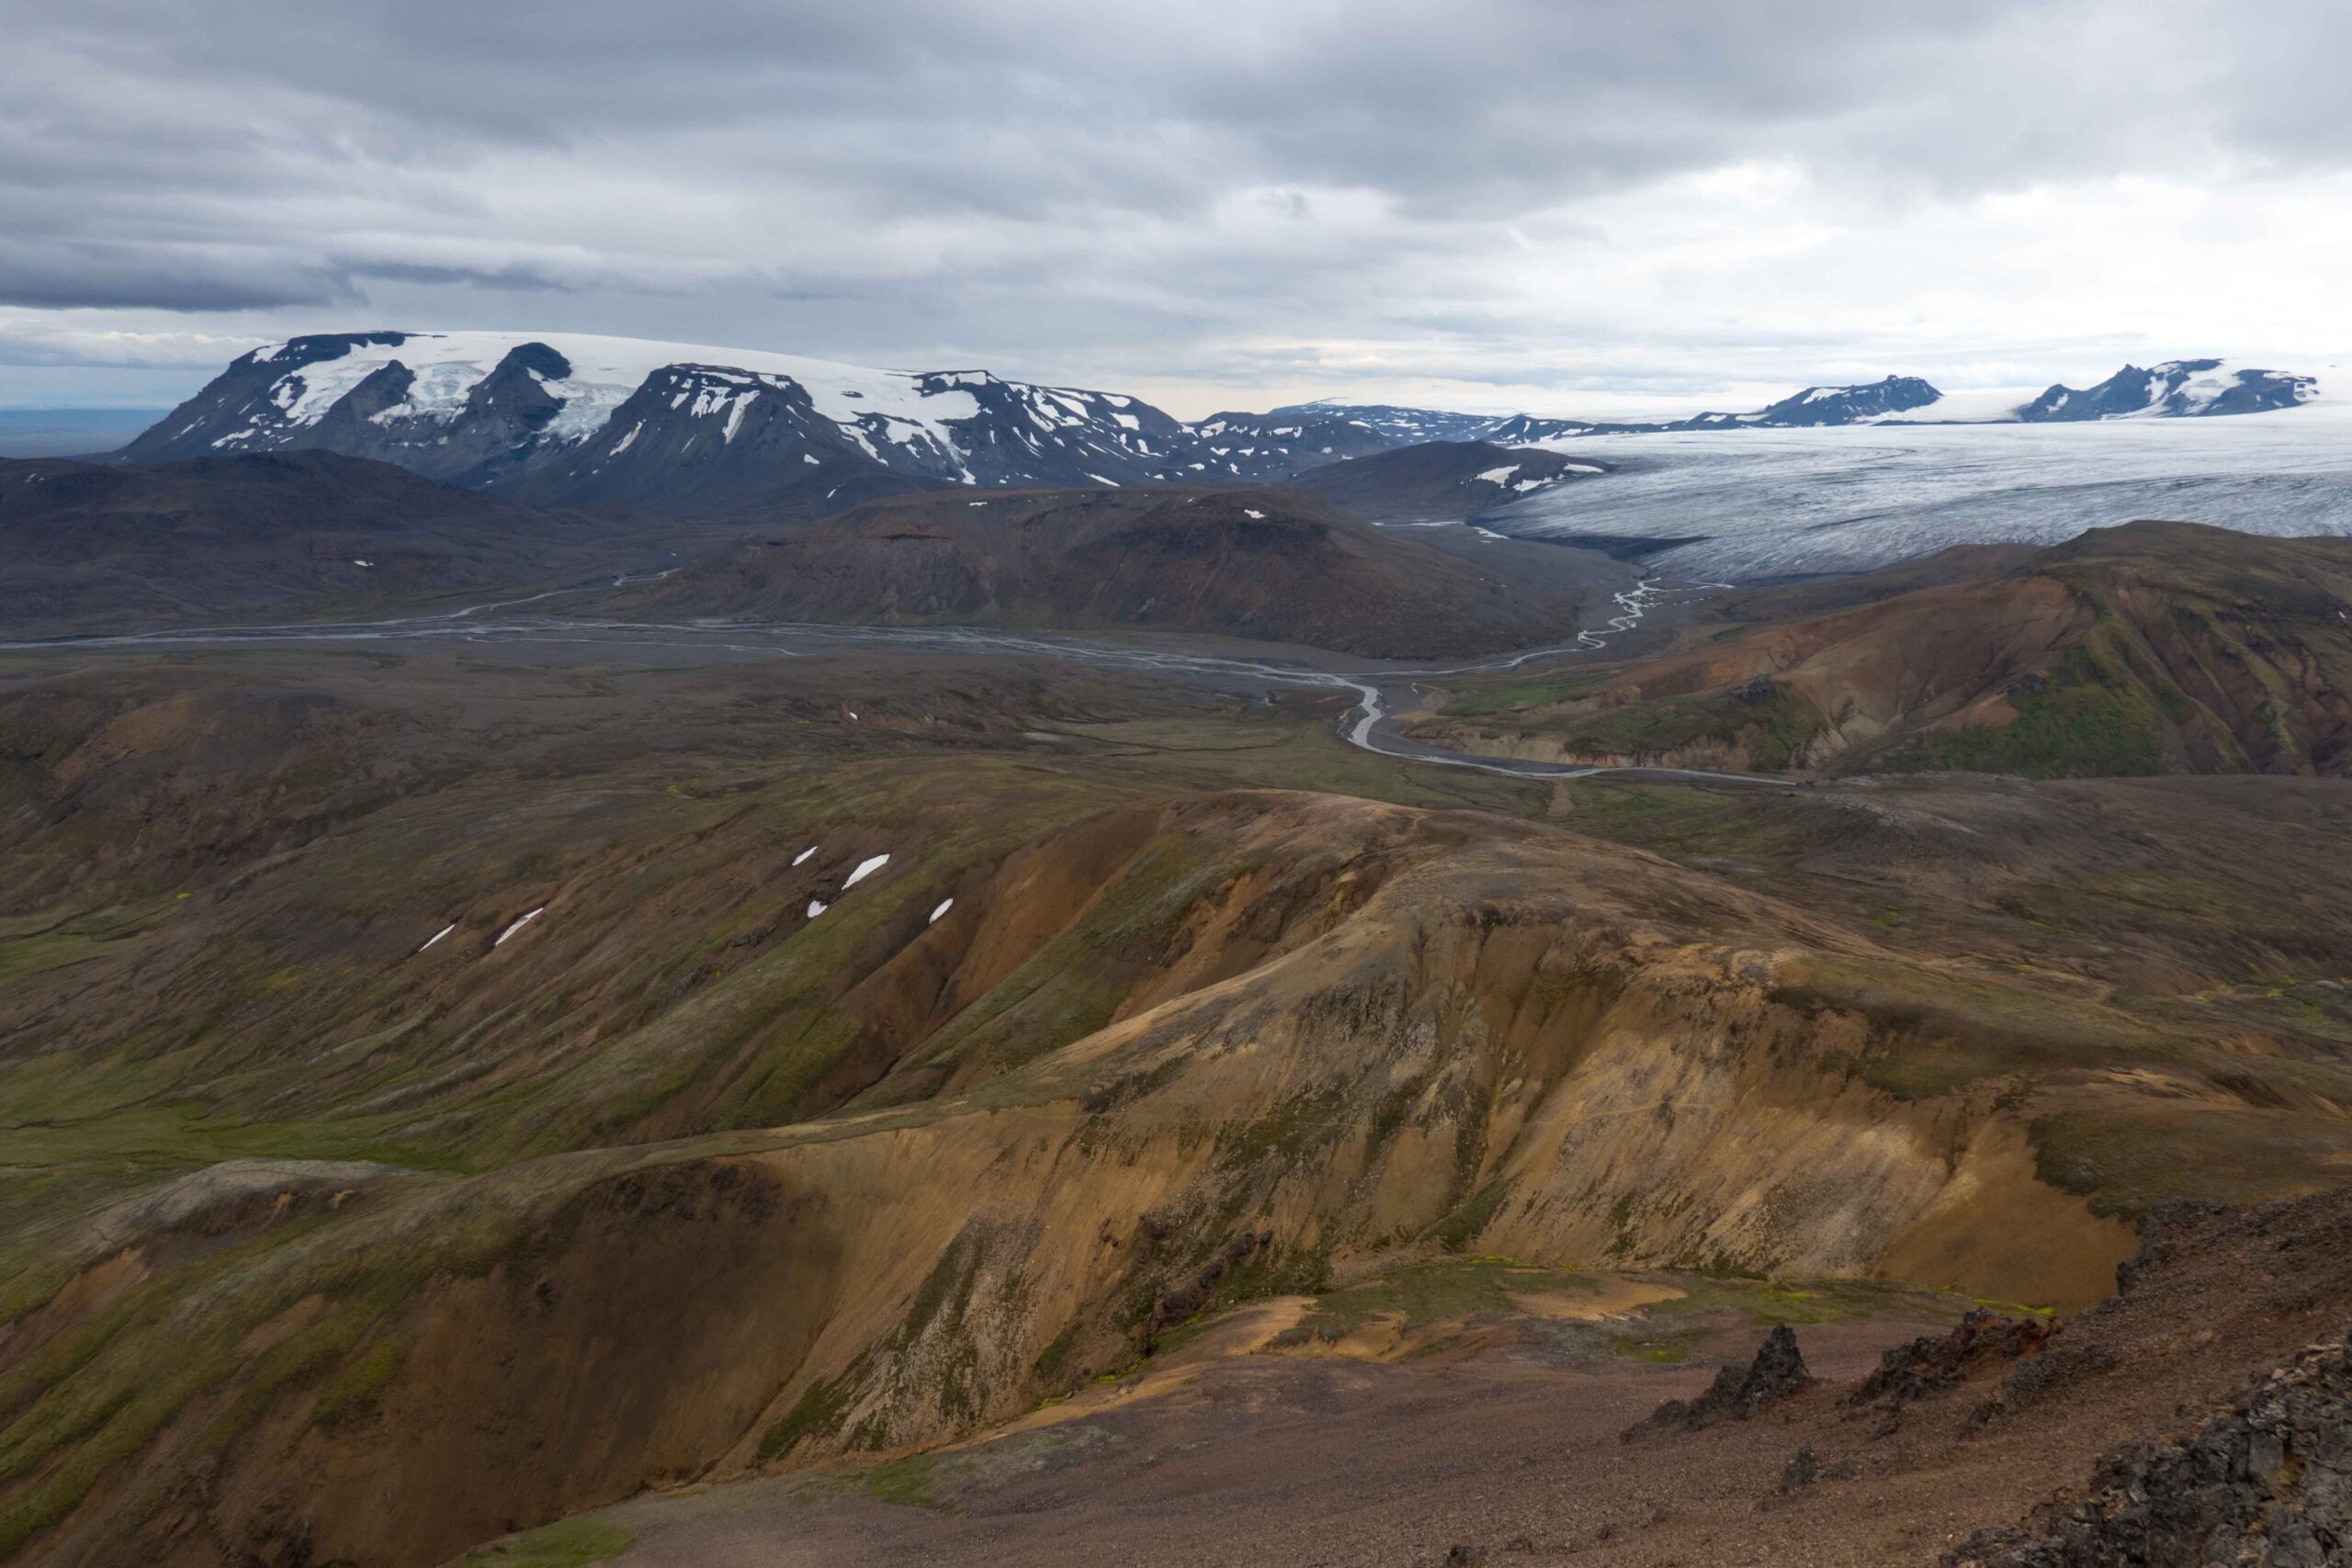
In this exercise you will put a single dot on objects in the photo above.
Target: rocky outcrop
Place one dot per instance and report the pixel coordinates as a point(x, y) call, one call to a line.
point(1778, 1372)
point(1934, 1362)
point(2266, 1481)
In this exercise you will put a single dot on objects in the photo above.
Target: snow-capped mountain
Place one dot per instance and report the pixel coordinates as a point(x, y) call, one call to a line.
point(1253, 448)
point(2179, 389)
point(1402, 427)
point(596, 419)
point(585, 421)
point(1861, 404)
point(1847, 405)
point(1521, 428)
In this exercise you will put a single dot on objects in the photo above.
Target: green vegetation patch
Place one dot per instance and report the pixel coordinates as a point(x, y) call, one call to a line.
point(351, 1396)
point(2082, 720)
point(23, 957)
point(1769, 719)
point(2125, 1162)
point(567, 1543)
point(818, 1412)
point(911, 1482)
point(1520, 695)
point(1938, 1030)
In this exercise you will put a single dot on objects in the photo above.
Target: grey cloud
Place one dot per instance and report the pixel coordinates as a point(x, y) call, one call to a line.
point(74, 275)
point(1061, 181)
point(518, 277)
point(1479, 105)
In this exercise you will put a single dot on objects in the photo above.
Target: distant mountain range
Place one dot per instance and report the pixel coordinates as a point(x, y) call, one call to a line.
point(576, 420)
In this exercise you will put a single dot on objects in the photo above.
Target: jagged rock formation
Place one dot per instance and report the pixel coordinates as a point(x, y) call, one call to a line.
point(1736, 1395)
point(1935, 1362)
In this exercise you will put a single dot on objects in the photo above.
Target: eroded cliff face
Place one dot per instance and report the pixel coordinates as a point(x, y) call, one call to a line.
point(1481, 1058)
point(1331, 1028)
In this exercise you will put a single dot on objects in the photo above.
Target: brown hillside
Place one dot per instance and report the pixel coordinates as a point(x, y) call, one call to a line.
point(2151, 648)
point(679, 1181)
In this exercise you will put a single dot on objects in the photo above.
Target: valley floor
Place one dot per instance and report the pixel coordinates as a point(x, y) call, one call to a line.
point(1510, 1448)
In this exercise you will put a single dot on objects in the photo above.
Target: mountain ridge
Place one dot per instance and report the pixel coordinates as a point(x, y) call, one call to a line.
point(584, 421)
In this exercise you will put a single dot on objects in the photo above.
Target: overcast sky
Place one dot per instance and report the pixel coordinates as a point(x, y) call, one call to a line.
point(1571, 207)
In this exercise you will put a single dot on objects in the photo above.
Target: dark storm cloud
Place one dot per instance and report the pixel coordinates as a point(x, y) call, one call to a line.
point(1066, 175)
point(68, 274)
point(1436, 103)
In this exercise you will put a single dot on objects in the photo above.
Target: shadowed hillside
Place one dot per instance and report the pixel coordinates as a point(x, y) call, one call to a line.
point(85, 548)
point(1266, 564)
point(1439, 480)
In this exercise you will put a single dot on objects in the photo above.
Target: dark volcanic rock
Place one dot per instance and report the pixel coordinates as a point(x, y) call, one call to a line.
point(1806, 1468)
point(1936, 1361)
point(1778, 1372)
point(2161, 1233)
point(2268, 1481)
point(1181, 1300)
point(2043, 1375)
